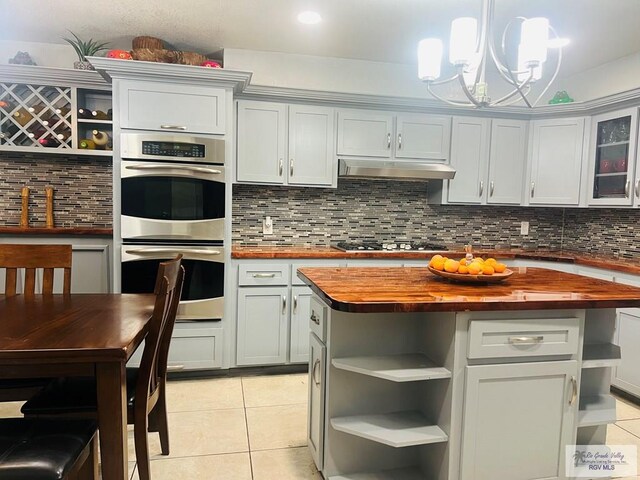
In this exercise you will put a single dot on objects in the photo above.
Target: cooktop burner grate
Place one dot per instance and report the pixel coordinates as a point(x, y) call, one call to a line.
point(391, 246)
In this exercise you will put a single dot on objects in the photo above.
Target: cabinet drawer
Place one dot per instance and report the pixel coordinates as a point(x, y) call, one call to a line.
point(523, 338)
point(318, 318)
point(190, 350)
point(257, 274)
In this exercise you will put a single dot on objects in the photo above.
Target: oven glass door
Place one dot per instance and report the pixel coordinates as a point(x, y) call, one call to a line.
point(203, 290)
point(172, 201)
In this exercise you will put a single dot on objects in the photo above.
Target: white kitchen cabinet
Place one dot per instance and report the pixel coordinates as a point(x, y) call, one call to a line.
point(315, 413)
point(262, 325)
point(489, 157)
point(612, 158)
point(299, 331)
point(626, 376)
point(404, 136)
point(555, 170)
point(517, 409)
point(170, 107)
point(286, 144)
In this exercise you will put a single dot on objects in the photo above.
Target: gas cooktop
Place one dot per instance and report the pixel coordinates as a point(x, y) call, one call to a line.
point(391, 246)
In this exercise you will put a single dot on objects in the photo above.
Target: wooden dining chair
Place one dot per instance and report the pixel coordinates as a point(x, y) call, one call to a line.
point(32, 258)
point(39, 449)
point(146, 385)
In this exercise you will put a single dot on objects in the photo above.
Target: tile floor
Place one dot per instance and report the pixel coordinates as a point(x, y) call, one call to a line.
point(254, 428)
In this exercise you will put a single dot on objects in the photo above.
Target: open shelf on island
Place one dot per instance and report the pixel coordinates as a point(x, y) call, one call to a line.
point(597, 410)
point(396, 368)
point(398, 474)
point(399, 429)
point(597, 355)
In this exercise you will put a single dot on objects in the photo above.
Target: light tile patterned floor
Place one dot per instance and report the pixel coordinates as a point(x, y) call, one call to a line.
point(254, 428)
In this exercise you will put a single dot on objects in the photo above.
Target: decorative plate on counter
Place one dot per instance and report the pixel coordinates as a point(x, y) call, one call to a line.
point(468, 278)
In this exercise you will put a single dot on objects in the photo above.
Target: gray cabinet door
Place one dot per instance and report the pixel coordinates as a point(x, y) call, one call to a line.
point(362, 133)
point(90, 270)
point(517, 420)
point(556, 161)
point(507, 159)
point(627, 374)
point(315, 414)
point(171, 107)
point(312, 160)
point(262, 142)
point(423, 136)
point(262, 325)
point(469, 156)
point(300, 311)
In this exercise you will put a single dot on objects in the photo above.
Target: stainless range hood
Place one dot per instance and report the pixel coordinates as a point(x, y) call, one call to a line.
point(397, 170)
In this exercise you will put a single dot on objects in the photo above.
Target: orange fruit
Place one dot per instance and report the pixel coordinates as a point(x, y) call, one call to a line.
point(491, 261)
point(463, 261)
point(434, 259)
point(451, 266)
point(499, 267)
point(474, 268)
point(478, 259)
point(487, 270)
point(438, 264)
point(463, 268)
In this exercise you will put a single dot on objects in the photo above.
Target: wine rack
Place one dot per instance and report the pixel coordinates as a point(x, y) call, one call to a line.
point(39, 111)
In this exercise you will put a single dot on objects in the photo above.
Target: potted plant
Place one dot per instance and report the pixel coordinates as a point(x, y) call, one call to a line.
point(84, 50)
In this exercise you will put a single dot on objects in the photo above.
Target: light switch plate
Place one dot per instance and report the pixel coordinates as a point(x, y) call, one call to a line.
point(524, 228)
point(267, 226)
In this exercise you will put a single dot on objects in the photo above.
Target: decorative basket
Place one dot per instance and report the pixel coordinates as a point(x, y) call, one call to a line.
point(156, 55)
point(192, 58)
point(151, 43)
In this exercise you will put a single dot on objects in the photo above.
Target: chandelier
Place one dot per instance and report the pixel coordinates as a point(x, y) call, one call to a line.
point(470, 54)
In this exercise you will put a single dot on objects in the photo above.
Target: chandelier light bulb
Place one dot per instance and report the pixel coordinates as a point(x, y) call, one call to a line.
point(534, 39)
point(524, 69)
point(463, 40)
point(309, 17)
point(429, 59)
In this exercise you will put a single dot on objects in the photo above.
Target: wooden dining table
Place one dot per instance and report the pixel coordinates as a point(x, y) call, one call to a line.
point(79, 335)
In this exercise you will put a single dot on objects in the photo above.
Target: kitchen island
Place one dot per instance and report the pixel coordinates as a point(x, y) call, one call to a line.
point(412, 376)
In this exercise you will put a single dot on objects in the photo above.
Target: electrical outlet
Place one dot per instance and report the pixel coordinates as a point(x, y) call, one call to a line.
point(267, 226)
point(524, 228)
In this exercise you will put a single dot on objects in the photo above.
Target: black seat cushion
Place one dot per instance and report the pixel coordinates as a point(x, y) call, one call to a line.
point(23, 382)
point(70, 395)
point(41, 449)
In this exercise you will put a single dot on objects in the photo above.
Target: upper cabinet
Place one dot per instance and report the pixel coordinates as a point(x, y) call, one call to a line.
point(171, 107)
point(363, 133)
point(489, 157)
point(613, 158)
point(555, 171)
point(286, 144)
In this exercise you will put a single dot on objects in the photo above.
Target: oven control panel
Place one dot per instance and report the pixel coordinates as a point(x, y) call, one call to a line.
point(173, 149)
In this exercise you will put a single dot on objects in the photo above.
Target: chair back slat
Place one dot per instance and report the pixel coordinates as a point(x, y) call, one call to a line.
point(31, 258)
point(168, 290)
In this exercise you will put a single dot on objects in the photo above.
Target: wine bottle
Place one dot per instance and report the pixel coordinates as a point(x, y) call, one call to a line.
point(84, 113)
point(62, 111)
point(37, 109)
point(6, 106)
point(49, 142)
point(99, 115)
point(101, 139)
point(85, 143)
point(110, 114)
point(8, 131)
point(22, 116)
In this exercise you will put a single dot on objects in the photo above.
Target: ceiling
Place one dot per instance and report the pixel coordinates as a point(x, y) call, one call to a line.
point(378, 30)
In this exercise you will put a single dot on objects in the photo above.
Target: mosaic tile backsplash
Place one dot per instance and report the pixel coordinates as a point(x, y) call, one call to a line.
point(396, 210)
point(82, 189)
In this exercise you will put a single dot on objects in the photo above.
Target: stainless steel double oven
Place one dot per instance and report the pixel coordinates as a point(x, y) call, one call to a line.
point(173, 194)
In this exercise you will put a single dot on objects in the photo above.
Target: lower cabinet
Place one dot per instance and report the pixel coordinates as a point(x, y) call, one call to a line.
point(315, 414)
point(299, 333)
point(627, 375)
point(513, 410)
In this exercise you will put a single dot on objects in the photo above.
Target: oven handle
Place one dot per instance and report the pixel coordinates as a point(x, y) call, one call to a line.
point(173, 167)
point(195, 251)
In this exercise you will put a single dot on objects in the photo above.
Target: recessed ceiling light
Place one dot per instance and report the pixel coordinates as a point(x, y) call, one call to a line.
point(558, 42)
point(309, 17)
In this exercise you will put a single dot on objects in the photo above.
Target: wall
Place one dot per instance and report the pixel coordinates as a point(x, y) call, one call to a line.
point(44, 54)
point(82, 196)
point(396, 210)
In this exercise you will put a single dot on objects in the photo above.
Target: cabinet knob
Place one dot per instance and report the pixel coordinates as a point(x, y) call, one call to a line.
point(315, 319)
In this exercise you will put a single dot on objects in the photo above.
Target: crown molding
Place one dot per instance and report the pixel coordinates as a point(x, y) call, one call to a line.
point(35, 75)
point(111, 68)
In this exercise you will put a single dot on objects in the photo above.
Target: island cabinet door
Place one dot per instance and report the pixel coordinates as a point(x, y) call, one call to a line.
point(315, 414)
point(518, 419)
point(300, 312)
point(262, 326)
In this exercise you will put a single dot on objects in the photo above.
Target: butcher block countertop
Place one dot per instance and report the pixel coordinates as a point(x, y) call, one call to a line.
point(62, 231)
point(415, 289)
point(631, 266)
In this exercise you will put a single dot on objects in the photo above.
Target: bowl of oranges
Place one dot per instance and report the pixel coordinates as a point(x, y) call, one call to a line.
point(474, 269)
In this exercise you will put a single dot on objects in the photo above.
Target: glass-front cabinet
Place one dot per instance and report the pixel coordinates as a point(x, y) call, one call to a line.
point(613, 158)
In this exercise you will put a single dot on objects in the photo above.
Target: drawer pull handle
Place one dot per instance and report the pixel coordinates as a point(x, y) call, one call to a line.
point(173, 127)
point(313, 372)
point(174, 368)
point(533, 188)
point(627, 187)
point(291, 167)
point(295, 303)
point(526, 340)
point(280, 167)
point(264, 275)
point(481, 189)
point(284, 304)
point(637, 188)
point(388, 140)
point(315, 319)
point(491, 188)
point(574, 390)
point(399, 141)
